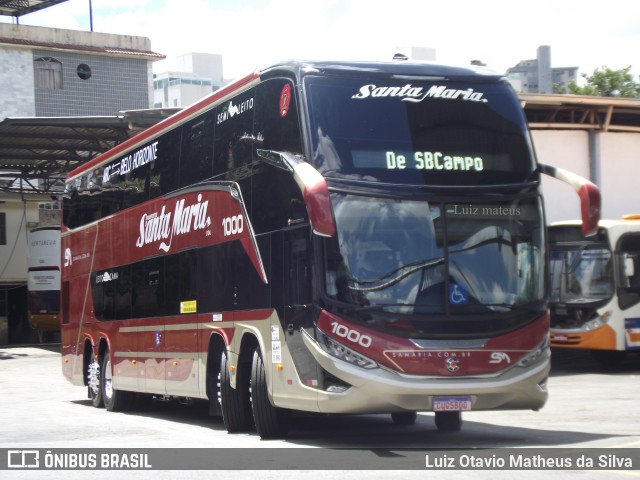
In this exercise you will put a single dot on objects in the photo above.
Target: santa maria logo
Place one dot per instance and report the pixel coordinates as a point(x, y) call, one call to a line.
point(163, 226)
point(409, 93)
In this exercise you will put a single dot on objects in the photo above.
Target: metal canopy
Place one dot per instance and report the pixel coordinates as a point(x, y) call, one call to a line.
point(17, 8)
point(578, 112)
point(37, 153)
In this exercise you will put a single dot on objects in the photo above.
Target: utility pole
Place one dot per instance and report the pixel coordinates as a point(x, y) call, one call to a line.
point(90, 17)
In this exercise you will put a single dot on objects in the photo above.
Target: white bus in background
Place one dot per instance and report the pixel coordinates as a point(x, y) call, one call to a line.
point(43, 280)
point(595, 288)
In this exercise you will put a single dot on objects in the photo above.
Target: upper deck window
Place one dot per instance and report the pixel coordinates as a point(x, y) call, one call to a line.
point(418, 132)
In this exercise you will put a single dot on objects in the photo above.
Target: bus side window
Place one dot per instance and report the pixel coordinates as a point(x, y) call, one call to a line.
point(71, 208)
point(146, 295)
point(196, 162)
point(136, 186)
point(278, 126)
point(628, 254)
point(123, 293)
point(111, 192)
point(165, 170)
point(234, 134)
point(276, 199)
point(89, 199)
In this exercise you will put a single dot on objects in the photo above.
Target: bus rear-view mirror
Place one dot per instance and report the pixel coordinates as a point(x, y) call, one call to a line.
point(588, 192)
point(629, 265)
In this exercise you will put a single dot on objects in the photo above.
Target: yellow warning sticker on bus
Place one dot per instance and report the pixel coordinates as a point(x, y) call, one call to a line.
point(188, 307)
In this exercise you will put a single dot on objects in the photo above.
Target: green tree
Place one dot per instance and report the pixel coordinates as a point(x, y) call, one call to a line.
point(605, 82)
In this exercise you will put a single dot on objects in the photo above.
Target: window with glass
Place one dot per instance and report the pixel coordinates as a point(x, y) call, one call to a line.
point(581, 269)
point(47, 73)
point(435, 260)
point(419, 132)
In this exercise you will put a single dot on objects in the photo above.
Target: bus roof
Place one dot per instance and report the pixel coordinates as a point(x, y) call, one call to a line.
point(298, 69)
point(419, 69)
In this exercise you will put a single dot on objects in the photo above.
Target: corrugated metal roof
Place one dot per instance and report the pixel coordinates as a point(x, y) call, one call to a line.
point(580, 112)
point(81, 48)
point(17, 8)
point(37, 153)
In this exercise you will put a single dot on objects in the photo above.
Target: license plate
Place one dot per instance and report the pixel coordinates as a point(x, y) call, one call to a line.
point(451, 404)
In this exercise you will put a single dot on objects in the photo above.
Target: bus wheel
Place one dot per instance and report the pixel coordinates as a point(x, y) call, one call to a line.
point(449, 421)
point(236, 407)
point(271, 422)
point(404, 418)
point(114, 400)
point(93, 384)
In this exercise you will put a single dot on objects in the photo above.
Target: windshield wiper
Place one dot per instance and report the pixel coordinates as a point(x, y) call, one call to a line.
point(528, 307)
point(402, 272)
point(365, 308)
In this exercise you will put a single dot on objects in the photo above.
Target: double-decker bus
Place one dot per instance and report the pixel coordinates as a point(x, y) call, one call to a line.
point(326, 237)
point(595, 288)
point(43, 280)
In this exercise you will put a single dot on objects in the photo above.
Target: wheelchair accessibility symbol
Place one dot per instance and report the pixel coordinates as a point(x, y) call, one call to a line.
point(458, 295)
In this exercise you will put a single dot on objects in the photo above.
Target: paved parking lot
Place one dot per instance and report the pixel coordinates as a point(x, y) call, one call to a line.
point(589, 407)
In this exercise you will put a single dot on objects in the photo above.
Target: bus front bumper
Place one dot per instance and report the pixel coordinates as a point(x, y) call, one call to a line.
point(602, 338)
point(380, 390)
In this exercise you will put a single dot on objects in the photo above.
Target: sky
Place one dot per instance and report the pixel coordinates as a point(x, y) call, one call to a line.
point(252, 34)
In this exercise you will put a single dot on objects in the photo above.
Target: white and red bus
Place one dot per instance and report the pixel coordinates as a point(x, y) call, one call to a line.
point(43, 280)
point(326, 237)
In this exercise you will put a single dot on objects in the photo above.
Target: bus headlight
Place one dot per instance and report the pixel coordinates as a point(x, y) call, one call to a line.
point(336, 349)
point(597, 322)
point(535, 354)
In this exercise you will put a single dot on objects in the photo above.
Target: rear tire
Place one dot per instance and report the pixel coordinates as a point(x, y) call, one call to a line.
point(94, 395)
point(235, 402)
point(271, 422)
point(114, 400)
point(449, 421)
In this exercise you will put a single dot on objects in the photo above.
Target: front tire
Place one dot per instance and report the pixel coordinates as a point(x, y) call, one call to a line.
point(449, 421)
point(271, 422)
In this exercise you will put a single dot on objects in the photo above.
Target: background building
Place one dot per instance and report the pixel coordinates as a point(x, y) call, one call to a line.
point(417, 53)
point(537, 75)
point(47, 73)
point(197, 75)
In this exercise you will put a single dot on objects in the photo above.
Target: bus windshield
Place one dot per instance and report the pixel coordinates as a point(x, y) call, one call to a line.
point(436, 258)
point(418, 132)
point(44, 301)
point(581, 275)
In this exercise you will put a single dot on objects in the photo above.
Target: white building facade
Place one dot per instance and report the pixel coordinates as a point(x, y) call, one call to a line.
point(197, 75)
